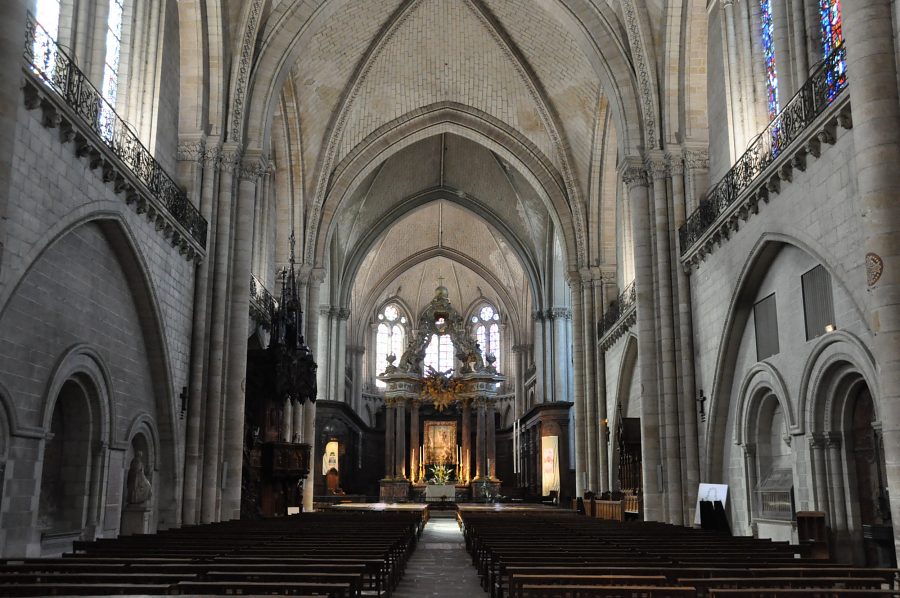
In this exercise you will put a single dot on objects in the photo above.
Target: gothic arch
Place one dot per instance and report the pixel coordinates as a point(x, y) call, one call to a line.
point(760, 382)
point(836, 356)
point(739, 308)
point(464, 260)
point(627, 371)
point(380, 228)
point(446, 117)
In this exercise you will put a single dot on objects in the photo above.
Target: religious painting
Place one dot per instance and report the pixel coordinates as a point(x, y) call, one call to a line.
point(330, 457)
point(440, 442)
point(549, 464)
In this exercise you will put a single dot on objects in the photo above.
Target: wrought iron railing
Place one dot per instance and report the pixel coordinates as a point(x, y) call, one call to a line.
point(58, 71)
point(819, 91)
point(615, 312)
point(262, 303)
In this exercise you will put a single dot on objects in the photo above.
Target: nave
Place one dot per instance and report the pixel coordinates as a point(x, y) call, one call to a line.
point(502, 552)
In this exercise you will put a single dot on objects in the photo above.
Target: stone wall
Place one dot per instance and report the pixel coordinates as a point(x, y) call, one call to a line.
point(88, 283)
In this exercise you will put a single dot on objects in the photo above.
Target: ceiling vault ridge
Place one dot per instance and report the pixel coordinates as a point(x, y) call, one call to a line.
point(377, 231)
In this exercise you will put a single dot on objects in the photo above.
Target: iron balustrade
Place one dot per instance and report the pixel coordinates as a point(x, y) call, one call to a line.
point(58, 71)
point(262, 303)
point(820, 90)
point(619, 307)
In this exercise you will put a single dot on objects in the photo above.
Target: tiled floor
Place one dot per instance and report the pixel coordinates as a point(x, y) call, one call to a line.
point(440, 566)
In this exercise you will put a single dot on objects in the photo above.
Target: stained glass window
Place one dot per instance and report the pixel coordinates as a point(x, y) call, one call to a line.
point(389, 338)
point(832, 37)
point(110, 85)
point(768, 43)
point(46, 13)
point(487, 332)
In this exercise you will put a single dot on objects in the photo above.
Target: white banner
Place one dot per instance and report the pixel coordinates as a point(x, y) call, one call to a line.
point(549, 464)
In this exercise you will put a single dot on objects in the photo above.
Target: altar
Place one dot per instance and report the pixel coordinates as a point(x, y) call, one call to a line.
point(430, 416)
point(440, 493)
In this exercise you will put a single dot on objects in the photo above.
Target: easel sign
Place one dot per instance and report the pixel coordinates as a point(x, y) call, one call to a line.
point(712, 493)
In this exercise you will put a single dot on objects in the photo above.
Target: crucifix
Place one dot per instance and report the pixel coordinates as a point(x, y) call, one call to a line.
point(701, 399)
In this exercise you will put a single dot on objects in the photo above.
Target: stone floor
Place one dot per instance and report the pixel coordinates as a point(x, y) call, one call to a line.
point(440, 566)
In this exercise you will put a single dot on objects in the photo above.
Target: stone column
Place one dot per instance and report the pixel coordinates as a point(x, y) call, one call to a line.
point(340, 375)
point(287, 432)
point(736, 104)
point(750, 469)
point(873, 90)
point(600, 361)
point(558, 317)
point(212, 456)
point(656, 166)
point(490, 422)
point(199, 344)
point(480, 439)
point(801, 60)
point(635, 179)
point(297, 412)
point(518, 360)
point(836, 484)
point(467, 439)
point(390, 418)
point(414, 441)
point(581, 418)
point(400, 442)
point(589, 345)
point(233, 443)
point(317, 276)
point(820, 475)
point(324, 353)
point(356, 353)
point(687, 390)
point(537, 318)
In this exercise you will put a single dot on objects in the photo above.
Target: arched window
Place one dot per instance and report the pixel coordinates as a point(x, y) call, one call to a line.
point(46, 13)
point(832, 37)
point(768, 44)
point(390, 337)
point(110, 86)
point(486, 324)
point(439, 353)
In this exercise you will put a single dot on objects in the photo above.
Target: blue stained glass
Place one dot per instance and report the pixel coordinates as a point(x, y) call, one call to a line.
point(832, 37)
point(768, 44)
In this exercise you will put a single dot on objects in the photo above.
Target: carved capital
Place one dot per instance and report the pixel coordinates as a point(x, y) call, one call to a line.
point(656, 167)
point(343, 313)
point(559, 313)
point(634, 174)
point(817, 441)
point(696, 159)
point(192, 150)
point(231, 158)
point(537, 315)
point(675, 163)
point(834, 440)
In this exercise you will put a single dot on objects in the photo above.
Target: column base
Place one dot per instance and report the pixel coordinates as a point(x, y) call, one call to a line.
point(394, 490)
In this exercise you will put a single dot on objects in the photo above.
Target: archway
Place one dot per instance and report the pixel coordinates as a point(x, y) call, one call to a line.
point(70, 477)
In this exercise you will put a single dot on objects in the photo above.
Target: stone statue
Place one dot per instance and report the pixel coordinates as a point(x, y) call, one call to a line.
point(139, 489)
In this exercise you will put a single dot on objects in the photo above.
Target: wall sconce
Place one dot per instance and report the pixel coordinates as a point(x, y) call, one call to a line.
point(605, 424)
point(830, 327)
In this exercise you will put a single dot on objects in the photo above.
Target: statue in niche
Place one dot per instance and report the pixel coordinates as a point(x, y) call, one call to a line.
point(139, 489)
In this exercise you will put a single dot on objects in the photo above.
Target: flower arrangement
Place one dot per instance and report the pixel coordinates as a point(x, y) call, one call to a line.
point(440, 474)
point(440, 388)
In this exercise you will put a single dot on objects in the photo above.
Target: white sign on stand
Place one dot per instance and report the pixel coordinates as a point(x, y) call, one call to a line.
point(712, 493)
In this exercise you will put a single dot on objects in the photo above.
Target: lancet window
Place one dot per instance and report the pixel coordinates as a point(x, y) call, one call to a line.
point(46, 13)
point(832, 37)
point(486, 325)
point(768, 46)
point(110, 88)
point(390, 337)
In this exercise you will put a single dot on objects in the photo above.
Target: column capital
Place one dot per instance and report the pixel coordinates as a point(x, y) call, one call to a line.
point(343, 313)
point(317, 275)
point(749, 449)
point(675, 161)
point(520, 348)
point(537, 315)
point(559, 313)
point(633, 173)
point(696, 159)
point(191, 148)
point(817, 440)
point(231, 157)
point(834, 440)
point(655, 163)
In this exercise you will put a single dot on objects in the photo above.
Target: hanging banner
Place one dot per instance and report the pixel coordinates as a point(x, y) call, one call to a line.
point(549, 464)
point(330, 457)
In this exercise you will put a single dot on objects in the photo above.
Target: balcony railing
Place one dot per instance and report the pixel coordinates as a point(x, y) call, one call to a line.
point(58, 71)
point(262, 303)
point(819, 91)
point(619, 308)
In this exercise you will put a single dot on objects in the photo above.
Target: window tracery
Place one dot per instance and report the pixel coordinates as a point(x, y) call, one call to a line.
point(110, 85)
point(486, 324)
point(390, 337)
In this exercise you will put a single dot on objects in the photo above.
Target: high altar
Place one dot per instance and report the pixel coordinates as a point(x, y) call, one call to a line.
point(439, 408)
